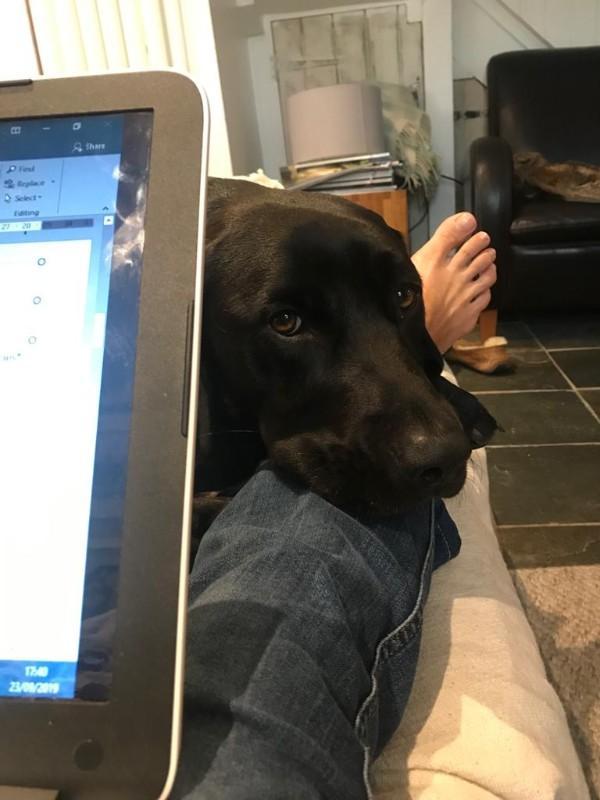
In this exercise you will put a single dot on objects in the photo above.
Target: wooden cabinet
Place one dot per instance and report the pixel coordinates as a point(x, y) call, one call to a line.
point(391, 205)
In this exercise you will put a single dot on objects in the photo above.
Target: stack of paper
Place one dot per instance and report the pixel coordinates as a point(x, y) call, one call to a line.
point(358, 173)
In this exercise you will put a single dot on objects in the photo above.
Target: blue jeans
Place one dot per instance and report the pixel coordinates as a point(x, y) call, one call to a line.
point(303, 635)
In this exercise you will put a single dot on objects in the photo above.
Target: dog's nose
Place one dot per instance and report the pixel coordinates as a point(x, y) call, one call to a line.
point(436, 460)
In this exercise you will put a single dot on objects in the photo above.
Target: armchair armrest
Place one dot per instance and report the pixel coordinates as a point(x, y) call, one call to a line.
point(492, 200)
point(491, 186)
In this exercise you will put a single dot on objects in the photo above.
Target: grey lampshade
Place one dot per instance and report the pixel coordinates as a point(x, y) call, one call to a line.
point(335, 121)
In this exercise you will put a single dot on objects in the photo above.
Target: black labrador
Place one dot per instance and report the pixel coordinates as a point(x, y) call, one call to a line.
point(315, 355)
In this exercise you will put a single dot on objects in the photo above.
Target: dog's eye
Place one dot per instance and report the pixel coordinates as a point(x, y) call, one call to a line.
point(407, 297)
point(286, 323)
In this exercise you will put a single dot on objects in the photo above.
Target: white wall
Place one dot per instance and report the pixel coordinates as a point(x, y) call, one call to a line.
point(437, 62)
point(266, 97)
point(236, 87)
point(17, 54)
point(203, 64)
point(482, 28)
point(562, 23)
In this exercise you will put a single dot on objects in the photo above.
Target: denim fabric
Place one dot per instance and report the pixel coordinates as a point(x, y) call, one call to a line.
point(303, 635)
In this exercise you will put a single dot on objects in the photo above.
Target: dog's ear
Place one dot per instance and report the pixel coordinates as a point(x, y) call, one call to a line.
point(216, 228)
point(228, 449)
point(434, 363)
point(421, 344)
point(222, 198)
point(478, 423)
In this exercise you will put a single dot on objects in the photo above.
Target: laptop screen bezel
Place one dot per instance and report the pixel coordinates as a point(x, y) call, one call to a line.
point(132, 734)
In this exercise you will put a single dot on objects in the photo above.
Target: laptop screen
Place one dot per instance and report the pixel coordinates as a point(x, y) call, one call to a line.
point(72, 202)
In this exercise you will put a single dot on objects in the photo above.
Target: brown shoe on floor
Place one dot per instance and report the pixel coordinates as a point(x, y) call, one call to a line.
point(488, 357)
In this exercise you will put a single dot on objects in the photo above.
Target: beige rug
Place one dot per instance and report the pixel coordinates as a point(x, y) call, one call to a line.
point(563, 607)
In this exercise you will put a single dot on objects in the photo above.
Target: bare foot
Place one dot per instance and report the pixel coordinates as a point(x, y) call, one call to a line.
point(457, 269)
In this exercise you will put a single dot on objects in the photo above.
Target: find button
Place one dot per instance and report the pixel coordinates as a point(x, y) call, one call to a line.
point(88, 755)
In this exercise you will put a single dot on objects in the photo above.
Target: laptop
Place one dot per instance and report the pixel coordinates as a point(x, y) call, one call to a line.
point(102, 184)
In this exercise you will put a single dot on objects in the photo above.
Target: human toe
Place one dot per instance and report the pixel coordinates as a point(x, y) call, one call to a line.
point(481, 302)
point(470, 250)
point(452, 232)
point(479, 263)
point(485, 280)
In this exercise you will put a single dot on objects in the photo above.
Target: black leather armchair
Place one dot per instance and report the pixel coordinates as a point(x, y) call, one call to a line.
point(548, 249)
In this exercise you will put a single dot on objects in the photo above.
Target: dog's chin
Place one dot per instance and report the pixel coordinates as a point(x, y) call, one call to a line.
point(454, 482)
point(403, 499)
point(374, 494)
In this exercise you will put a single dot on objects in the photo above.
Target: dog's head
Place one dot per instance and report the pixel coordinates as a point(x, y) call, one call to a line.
point(314, 330)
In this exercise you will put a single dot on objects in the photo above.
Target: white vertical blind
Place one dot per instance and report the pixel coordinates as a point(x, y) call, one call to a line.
point(68, 33)
point(44, 19)
point(133, 28)
point(175, 36)
point(112, 33)
point(201, 51)
point(156, 35)
point(91, 35)
point(78, 36)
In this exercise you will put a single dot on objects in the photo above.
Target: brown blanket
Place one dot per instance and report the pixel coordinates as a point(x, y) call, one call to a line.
point(571, 181)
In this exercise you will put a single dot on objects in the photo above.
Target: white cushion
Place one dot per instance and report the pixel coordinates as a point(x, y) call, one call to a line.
point(482, 721)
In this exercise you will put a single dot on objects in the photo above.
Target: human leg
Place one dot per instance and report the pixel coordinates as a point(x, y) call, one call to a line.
point(304, 627)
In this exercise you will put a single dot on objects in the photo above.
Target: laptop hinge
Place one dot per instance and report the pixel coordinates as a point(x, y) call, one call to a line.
point(21, 793)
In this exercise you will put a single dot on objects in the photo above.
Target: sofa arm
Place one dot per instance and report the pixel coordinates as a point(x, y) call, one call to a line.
point(482, 720)
point(491, 201)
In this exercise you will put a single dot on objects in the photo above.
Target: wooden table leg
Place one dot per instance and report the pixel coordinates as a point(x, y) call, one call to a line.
point(488, 323)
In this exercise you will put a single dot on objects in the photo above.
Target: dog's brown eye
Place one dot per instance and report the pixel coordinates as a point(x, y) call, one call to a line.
point(406, 297)
point(286, 323)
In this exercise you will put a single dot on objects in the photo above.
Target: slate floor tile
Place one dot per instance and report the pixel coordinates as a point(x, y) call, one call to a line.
point(540, 485)
point(518, 335)
point(541, 417)
point(550, 546)
point(582, 366)
point(593, 398)
point(574, 330)
point(534, 370)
